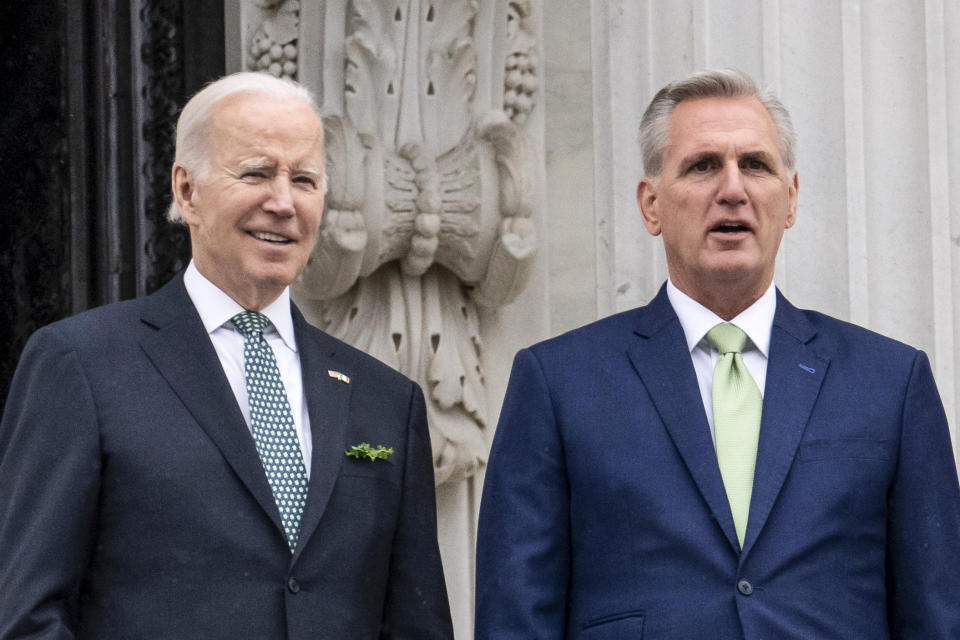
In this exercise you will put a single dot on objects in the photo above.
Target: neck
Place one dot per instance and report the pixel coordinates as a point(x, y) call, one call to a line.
point(250, 295)
point(253, 300)
point(727, 300)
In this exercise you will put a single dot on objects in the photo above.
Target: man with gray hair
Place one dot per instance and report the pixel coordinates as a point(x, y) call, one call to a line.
point(719, 464)
point(202, 463)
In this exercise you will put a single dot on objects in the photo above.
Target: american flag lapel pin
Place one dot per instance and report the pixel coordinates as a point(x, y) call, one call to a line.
point(339, 376)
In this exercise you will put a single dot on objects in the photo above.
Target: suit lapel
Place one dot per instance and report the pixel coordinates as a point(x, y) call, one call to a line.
point(328, 402)
point(183, 354)
point(663, 362)
point(794, 375)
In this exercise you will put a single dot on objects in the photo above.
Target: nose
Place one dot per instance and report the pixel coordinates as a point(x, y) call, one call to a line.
point(280, 200)
point(732, 190)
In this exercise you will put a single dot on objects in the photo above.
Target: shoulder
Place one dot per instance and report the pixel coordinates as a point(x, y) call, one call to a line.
point(97, 327)
point(59, 361)
point(856, 355)
point(842, 337)
point(349, 360)
point(113, 327)
point(595, 339)
point(616, 331)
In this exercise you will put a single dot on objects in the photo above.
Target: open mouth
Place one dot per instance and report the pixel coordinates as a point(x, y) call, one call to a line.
point(730, 227)
point(266, 236)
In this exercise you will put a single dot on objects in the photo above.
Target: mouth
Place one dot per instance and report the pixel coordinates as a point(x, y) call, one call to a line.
point(272, 238)
point(730, 228)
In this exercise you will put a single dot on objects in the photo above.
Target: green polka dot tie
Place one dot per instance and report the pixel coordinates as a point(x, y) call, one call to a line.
point(737, 405)
point(273, 429)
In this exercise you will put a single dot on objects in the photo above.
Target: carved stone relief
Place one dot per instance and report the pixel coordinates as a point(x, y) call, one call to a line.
point(428, 216)
point(274, 44)
point(520, 81)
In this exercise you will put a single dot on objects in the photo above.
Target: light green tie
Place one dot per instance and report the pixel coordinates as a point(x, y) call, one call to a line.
point(737, 405)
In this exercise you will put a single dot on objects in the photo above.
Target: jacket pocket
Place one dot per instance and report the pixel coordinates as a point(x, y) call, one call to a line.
point(858, 448)
point(619, 626)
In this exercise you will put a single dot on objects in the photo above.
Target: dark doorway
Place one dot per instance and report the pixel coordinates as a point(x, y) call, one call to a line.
point(91, 92)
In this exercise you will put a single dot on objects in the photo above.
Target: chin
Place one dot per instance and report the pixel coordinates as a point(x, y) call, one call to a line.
point(729, 268)
point(735, 274)
point(275, 277)
point(733, 262)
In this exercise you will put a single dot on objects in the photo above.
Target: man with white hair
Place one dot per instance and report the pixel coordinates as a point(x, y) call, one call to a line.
point(202, 463)
point(718, 463)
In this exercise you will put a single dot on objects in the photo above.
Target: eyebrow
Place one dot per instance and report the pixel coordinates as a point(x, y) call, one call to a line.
point(701, 156)
point(255, 163)
point(266, 163)
point(759, 154)
point(695, 158)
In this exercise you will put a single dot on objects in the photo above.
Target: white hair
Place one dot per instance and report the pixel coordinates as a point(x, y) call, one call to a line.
point(722, 83)
point(193, 126)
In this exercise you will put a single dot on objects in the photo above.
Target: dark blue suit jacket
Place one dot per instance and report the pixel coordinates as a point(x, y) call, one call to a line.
point(133, 503)
point(604, 514)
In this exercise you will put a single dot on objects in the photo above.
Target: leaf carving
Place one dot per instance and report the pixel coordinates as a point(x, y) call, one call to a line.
point(372, 75)
point(448, 71)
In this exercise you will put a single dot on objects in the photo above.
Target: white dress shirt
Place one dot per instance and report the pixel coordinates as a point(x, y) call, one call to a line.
point(756, 321)
point(216, 309)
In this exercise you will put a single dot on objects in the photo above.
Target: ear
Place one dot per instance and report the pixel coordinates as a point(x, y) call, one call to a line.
point(647, 201)
point(792, 212)
point(184, 191)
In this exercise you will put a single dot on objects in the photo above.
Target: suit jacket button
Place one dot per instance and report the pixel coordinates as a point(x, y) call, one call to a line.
point(293, 585)
point(744, 587)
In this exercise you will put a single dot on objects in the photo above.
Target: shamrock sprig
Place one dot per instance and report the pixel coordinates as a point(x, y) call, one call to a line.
point(364, 450)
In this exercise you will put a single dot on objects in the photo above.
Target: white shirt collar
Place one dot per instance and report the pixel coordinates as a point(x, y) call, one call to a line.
point(216, 308)
point(756, 320)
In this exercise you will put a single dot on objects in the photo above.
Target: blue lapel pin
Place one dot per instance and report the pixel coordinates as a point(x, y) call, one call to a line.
point(806, 368)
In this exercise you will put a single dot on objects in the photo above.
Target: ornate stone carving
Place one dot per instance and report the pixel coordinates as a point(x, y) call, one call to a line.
point(274, 44)
point(520, 81)
point(428, 214)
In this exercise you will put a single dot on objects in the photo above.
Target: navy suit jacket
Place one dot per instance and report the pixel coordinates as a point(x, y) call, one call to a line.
point(133, 503)
point(604, 514)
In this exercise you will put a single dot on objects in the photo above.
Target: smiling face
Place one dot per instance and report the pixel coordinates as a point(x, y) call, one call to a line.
point(722, 201)
point(254, 213)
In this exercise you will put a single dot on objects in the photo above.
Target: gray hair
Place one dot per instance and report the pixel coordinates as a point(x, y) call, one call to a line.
point(193, 126)
point(722, 83)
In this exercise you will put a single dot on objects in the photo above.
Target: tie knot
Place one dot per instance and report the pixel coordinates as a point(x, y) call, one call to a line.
point(727, 338)
point(250, 323)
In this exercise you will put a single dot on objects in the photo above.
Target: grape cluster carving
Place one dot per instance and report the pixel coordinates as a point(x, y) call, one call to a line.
point(273, 57)
point(519, 85)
